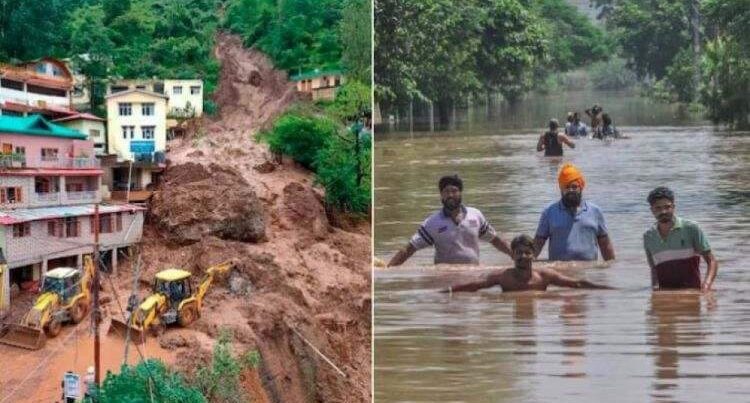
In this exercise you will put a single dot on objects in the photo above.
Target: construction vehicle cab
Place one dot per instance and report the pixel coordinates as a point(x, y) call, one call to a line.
point(63, 281)
point(65, 297)
point(173, 300)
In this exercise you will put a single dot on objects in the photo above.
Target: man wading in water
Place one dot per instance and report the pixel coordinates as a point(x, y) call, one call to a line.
point(523, 277)
point(575, 227)
point(454, 231)
point(674, 246)
point(552, 141)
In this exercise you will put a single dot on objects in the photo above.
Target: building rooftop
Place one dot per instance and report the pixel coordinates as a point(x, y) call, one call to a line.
point(80, 116)
point(36, 125)
point(172, 275)
point(8, 217)
point(61, 272)
point(121, 93)
point(315, 73)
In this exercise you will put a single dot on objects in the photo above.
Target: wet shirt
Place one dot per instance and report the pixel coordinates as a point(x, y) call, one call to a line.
point(552, 145)
point(572, 236)
point(454, 243)
point(676, 258)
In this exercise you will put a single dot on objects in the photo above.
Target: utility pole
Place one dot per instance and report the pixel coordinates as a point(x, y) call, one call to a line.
point(95, 311)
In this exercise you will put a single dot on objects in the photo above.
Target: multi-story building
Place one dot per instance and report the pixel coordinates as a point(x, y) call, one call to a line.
point(49, 186)
point(90, 125)
point(185, 97)
point(137, 136)
point(317, 84)
point(41, 86)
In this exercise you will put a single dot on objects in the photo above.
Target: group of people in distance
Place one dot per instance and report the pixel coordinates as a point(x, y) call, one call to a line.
point(552, 141)
point(576, 231)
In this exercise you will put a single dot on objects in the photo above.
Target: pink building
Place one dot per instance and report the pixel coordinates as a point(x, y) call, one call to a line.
point(49, 184)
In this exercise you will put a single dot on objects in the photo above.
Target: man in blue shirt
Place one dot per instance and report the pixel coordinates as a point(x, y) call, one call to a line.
point(575, 227)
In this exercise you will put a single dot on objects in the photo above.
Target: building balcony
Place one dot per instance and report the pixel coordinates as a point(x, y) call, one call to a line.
point(24, 161)
point(46, 199)
point(87, 196)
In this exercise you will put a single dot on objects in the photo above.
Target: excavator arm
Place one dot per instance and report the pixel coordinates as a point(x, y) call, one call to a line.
point(205, 284)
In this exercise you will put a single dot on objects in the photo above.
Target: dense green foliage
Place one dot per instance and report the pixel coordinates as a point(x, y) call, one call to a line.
point(690, 50)
point(149, 379)
point(219, 381)
point(343, 168)
point(126, 38)
point(300, 137)
point(298, 35)
point(443, 51)
point(340, 157)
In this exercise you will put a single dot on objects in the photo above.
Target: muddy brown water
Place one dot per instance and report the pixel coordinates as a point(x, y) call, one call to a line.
point(624, 345)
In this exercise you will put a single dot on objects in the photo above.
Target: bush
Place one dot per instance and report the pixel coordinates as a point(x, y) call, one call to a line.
point(220, 380)
point(612, 75)
point(148, 379)
point(209, 107)
point(336, 167)
point(300, 137)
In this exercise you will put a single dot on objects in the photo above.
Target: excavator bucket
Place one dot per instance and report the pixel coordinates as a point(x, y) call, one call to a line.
point(22, 336)
point(120, 329)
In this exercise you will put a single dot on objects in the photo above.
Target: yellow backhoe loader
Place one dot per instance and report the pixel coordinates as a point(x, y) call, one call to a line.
point(173, 300)
point(66, 297)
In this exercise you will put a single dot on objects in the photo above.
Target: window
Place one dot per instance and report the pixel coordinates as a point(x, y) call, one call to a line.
point(21, 150)
point(140, 87)
point(128, 130)
point(49, 154)
point(44, 185)
point(94, 133)
point(12, 84)
point(41, 68)
point(147, 132)
point(118, 222)
point(21, 230)
point(10, 195)
point(105, 223)
point(126, 108)
point(147, 109)
point(72, 227)
point(55, 228)
point(195, 89)
point(56, 71)
point(177, 90)
point(117, 88)
point(74, 187)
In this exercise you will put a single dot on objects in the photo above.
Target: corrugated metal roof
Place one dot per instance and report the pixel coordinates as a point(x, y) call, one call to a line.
point(8, 217)
point(315, 73)
point(36, 125)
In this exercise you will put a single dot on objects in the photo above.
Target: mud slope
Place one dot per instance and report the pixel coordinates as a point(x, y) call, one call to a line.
point(297, 274)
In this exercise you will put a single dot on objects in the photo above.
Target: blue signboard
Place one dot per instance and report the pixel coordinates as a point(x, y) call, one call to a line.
point(142, 146)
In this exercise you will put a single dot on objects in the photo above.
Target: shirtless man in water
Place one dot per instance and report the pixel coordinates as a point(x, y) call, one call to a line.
point(522, 277)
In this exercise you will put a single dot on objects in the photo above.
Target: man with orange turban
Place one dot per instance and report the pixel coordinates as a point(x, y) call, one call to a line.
point(575, 227)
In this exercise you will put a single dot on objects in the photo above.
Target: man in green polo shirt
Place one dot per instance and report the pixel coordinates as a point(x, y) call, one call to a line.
point(674, 246)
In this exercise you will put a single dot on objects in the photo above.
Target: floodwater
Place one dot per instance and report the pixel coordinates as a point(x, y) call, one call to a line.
point(624, 345)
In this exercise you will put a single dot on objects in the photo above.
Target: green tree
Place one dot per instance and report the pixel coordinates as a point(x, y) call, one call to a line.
point(344, 172)
point(355, 35)
point(220, 380)
point(148, 380)
point(352, 102)
point(300, 137)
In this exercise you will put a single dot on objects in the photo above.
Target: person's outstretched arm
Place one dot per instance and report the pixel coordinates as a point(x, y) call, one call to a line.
point(501, 244)
point(402, 255)
point(490, 281)
point(560, 280)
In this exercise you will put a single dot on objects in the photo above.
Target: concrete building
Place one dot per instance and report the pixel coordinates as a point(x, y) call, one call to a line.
point(92, 126)
point(41, 86)
point(317, 84)
point(137, 136)
point(49, 185)
point(185, 97)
